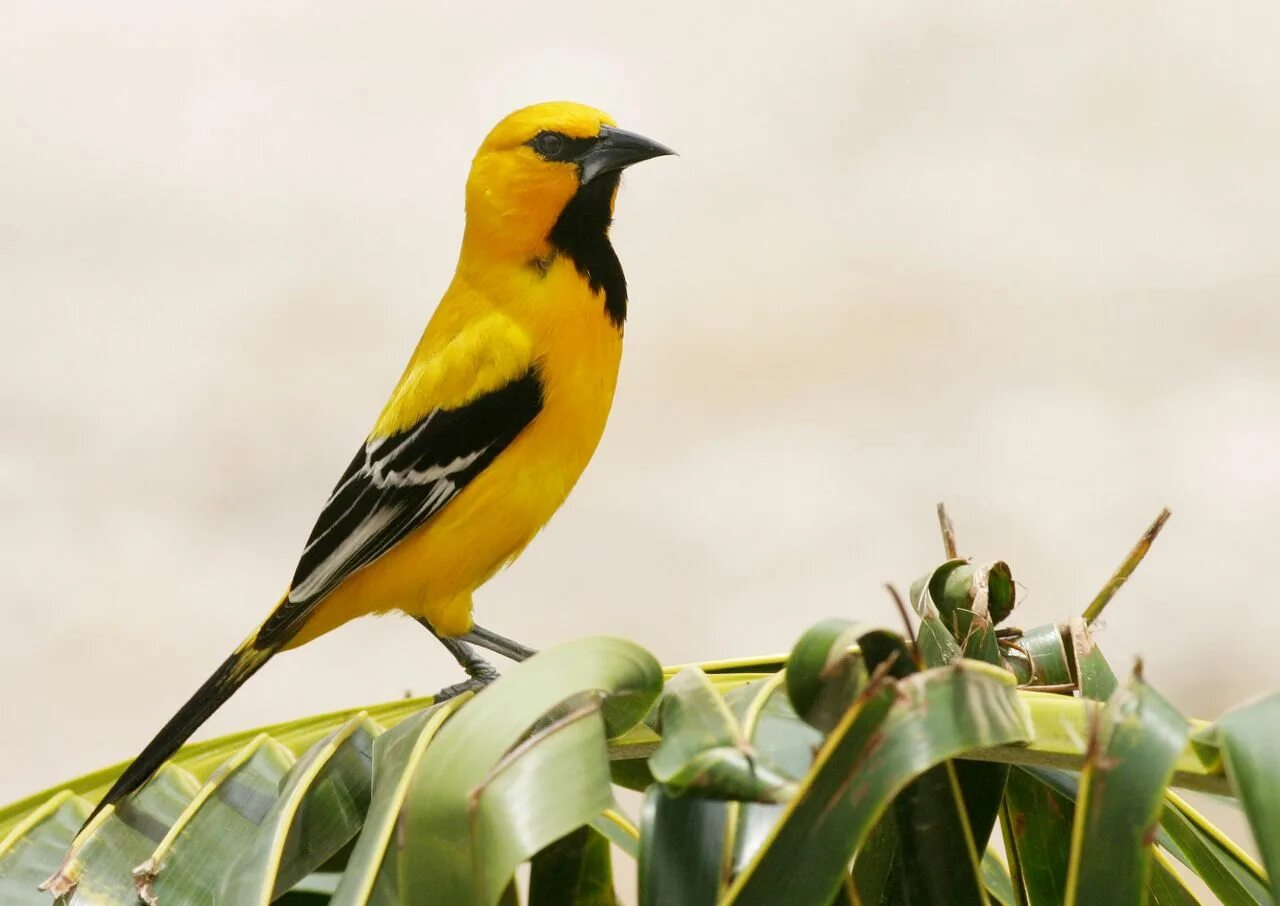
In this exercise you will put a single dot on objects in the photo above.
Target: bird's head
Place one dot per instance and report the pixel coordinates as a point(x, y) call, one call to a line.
point(538, 160)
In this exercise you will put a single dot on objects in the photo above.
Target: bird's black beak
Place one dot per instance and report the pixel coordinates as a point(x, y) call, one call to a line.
point(617, 148)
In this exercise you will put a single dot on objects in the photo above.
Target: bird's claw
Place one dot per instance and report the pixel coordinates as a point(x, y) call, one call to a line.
point(481, 674)
point(484, 673)
point(448, 692)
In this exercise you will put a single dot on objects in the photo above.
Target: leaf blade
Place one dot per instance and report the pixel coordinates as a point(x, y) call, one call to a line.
point(832, 814)
point(450, 858)
point(1250, 737)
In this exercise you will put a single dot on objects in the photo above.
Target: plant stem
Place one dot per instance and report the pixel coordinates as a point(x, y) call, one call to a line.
point(902, 612)
point(948, 532)
point(1125, 570)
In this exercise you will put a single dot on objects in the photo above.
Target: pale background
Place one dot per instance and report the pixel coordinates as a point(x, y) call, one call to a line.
point(1020, 258)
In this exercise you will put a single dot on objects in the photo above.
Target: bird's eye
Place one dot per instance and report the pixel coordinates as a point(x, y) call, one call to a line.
point(549, 144)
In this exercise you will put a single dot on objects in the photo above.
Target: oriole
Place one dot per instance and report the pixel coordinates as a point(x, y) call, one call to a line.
point(492, 422)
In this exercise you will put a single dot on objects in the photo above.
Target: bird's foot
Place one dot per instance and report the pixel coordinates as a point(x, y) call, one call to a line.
point(480, 672)
point(457, 689)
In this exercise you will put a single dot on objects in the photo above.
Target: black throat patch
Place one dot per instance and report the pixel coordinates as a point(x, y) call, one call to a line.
point(581, 233)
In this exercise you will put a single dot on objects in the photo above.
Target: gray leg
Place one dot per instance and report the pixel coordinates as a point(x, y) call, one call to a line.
point(508, 648)
point(480, 672)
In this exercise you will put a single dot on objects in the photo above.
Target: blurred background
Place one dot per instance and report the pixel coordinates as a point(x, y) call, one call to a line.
point(1020, 259)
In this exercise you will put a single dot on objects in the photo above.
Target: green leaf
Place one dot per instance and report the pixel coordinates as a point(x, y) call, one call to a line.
point(471, 774)
point(934, 639)
point(982, 790)
point(1097, 681)
point(1250, 740)
point(1225, 869)
point(1002, 592)
point(632, 771)
point(936, 644)
point(1016, 663)
point(692, 717)
point(1051, 664)
point(772, 727)
point(825, 672)
point(1036, 821)
point(806, 854)
point(1062, 725)
point(36, 845)
point(523, 802)
point(217, 828)
point(914, 723)
point(127, 836)
point(977, 636)
point(682, 849)
point(396, 754)
point(318, 882)
point(986, 589)
point(922, 850)
point(614, 825)
point(694, 849)
point(995, 875)
point(990, 600)
point(777, 735)
point(703, 751)
point(1165, 887)
point(1139, 740)
point(1067, 786)
point(1183, 831)
point(575, 870)
point(200, 759)
point(939, 592)
point(888, 653)
point(320, 809)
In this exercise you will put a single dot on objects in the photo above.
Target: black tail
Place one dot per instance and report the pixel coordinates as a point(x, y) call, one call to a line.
point(233, 673)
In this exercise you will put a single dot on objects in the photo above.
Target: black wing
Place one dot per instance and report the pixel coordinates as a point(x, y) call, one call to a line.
point(393, 486)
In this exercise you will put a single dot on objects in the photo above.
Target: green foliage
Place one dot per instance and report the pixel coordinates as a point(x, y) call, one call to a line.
point(864, 767)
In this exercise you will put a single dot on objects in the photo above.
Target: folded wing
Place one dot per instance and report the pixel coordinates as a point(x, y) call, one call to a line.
point(394, 485)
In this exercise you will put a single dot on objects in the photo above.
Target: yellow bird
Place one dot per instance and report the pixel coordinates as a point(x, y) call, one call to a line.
point(491, 424)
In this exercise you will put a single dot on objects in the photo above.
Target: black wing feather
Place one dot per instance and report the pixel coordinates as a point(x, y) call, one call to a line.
point(393, 486)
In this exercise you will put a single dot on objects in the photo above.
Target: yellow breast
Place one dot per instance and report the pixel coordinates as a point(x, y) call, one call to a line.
point(576, 350)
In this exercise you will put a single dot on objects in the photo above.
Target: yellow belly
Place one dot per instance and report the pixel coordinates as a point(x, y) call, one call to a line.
point(433, 572)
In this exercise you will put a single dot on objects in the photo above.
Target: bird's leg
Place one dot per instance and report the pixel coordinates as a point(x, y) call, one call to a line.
point(508, 648)
point(479, 671)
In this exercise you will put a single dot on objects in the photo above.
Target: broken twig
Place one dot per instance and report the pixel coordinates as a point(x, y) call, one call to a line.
point(948, 532)
point(1125, 570)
